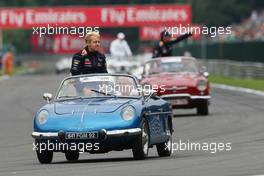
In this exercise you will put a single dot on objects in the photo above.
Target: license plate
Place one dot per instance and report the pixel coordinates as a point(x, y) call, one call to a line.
point(82, 135)
point(179, 102)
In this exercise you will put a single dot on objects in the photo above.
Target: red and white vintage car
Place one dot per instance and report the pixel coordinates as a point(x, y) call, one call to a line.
point(179, 80)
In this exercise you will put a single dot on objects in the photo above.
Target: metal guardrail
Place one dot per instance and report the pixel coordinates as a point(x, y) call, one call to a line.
point(254, 70)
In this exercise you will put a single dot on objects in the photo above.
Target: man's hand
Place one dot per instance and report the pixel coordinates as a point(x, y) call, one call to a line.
point(84, 52)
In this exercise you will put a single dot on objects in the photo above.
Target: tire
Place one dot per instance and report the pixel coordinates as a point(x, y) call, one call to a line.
point(141, 147)
point(165, 149)
point(45, 157)
point(72, 155)
point(203, 108)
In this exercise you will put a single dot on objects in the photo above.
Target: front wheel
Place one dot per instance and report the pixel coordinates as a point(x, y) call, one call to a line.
point(202, 108)
point(165, 149)
point(45, 157)
point(141, 147)
point(72, 155)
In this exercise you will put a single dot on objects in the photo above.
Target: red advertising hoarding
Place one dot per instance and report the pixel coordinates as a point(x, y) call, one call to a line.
point(65, 44)
point(110, 16)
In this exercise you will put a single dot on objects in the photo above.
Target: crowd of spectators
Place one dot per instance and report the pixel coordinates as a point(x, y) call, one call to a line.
point(250, 29)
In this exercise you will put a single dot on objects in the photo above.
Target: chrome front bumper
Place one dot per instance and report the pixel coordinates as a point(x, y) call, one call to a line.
point(111, 133)
point(193, 97)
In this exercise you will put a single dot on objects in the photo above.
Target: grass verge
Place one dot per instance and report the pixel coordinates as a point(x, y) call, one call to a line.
point(255, 84)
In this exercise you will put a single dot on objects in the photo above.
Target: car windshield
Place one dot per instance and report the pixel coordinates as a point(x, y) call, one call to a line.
point(171, 65)
point(98, 86)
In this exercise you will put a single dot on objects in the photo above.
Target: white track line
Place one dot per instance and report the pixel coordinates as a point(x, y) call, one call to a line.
point(239, 89)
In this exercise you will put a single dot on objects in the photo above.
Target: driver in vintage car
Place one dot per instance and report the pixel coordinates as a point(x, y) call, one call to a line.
point(89, 60)
point(164, 47)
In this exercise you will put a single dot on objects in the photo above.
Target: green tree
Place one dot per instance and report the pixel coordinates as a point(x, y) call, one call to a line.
point(217, 13)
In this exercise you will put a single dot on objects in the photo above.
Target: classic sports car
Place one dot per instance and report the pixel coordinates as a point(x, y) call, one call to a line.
point(106, 112)
point(179, 80)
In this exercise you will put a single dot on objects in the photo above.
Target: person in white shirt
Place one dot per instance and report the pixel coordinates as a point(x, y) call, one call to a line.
point(119, 47)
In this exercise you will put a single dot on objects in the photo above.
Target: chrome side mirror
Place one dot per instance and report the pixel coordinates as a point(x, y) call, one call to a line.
point(47, 97)
point(204, 71)
point(206, 74)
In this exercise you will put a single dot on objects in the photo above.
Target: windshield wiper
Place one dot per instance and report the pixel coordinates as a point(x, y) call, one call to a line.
point(103, 93)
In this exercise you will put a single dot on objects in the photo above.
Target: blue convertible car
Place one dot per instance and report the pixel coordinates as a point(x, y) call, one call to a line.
point(99, 113)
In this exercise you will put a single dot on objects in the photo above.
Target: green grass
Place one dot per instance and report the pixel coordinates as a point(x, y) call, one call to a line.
point(246, 83)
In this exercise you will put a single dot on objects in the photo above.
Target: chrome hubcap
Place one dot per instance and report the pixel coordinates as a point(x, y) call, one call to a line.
point(145, 140)
point(169, 143)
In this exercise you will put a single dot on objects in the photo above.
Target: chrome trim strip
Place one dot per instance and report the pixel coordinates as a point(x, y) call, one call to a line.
point(108, 133)
point(186, 95)
point(201, 97)
point(48, 134)
point(120, 132)
point(175, 95)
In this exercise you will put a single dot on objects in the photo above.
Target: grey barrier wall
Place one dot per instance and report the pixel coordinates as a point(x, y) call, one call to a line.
point(237, 69)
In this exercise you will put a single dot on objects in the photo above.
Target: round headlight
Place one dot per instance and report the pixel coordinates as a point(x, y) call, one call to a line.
point(202, 85)
point(43, 117)
point(128, 113)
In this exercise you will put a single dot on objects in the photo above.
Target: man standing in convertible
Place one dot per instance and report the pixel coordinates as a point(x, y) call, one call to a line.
point(164, 47)
point(89, 60)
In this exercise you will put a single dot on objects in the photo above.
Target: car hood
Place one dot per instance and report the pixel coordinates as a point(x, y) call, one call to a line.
point(98, 105)
point(174, 79)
